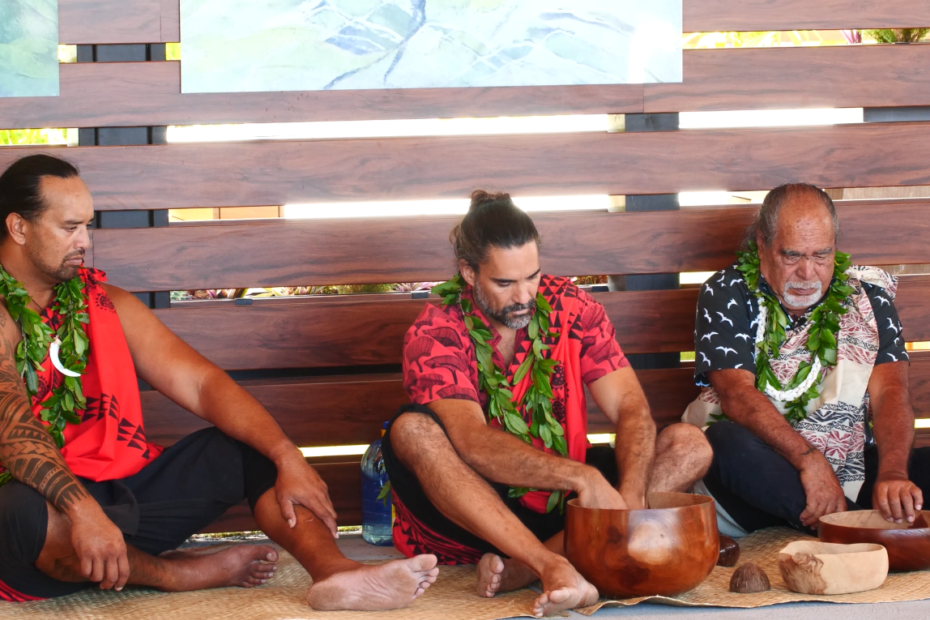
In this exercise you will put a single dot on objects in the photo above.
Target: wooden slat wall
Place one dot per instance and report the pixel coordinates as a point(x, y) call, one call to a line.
point(361, 331)
point(149, 93)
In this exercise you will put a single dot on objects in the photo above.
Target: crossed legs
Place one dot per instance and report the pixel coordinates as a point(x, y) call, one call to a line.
point(682, 457)
point(469, 501)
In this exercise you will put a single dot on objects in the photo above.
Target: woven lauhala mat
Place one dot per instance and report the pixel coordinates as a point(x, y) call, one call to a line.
point(452, 597)
point(762, 549)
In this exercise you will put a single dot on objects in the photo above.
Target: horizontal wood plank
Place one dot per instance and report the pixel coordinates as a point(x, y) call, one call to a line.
point(756, 15)
point(113, 21)
point(287, 172)
point(346, 332)
point(801, 77)
point(149, 93)
point(170, 21)
point(78, 23)
point(318, 252)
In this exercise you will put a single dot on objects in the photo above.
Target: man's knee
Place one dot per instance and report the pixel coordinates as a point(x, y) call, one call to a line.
point(729, 440)
point(414, 435)
point(688, 442)
point(23, 522)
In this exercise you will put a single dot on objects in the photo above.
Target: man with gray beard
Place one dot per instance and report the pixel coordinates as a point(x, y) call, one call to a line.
point(481, 462)
point(797, 351)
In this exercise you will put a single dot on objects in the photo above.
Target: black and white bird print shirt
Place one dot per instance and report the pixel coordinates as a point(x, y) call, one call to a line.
point(727, 319)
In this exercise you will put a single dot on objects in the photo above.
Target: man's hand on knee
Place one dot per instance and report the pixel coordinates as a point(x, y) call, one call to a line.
point(595, 492)
point(298, 484)
point(99, 546)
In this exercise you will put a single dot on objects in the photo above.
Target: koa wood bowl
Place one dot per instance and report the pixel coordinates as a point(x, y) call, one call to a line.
point(666, 549)
point(812, 567)
point(908, 544)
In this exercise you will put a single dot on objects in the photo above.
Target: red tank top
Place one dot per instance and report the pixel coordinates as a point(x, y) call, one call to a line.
point(109, 443)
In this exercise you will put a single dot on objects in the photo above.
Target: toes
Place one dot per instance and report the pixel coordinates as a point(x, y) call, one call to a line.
point(424, 585)
point(418, 593)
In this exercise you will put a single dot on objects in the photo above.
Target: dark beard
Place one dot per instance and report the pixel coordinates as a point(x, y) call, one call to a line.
point(61, 272)
point(503, 316)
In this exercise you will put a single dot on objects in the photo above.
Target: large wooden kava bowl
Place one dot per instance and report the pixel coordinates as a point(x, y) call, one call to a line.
point(667, 549)
point(908, 544)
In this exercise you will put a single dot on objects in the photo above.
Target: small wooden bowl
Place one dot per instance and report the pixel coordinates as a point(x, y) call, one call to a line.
point(667, 549)
point(908, 546)
point(811, 567)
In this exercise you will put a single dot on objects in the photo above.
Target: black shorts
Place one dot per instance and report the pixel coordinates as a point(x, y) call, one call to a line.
point(466, 547)
point(178, 494)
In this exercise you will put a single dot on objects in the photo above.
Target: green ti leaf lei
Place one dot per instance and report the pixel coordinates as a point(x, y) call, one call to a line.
point(538, 396)
point(824, 324)
point(68, 398)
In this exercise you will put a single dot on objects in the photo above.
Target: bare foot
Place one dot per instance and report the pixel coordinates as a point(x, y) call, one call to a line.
point(240, 565)
point(375, 588)
point(496, 574)
point(563, 588)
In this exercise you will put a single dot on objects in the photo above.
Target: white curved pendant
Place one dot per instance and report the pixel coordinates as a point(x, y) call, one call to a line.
point(56, 361)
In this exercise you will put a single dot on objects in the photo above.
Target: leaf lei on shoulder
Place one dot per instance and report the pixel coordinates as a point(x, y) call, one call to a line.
point(824, 325)
point(67, 399)
point(538, 396)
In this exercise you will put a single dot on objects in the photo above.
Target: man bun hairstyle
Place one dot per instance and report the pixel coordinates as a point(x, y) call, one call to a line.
point(766, 221)
point(19, 186)
point(492, 219)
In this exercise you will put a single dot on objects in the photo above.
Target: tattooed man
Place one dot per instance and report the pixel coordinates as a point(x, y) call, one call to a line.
point(109, 507)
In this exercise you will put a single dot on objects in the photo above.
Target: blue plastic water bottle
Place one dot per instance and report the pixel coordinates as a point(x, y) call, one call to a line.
point(376, 499)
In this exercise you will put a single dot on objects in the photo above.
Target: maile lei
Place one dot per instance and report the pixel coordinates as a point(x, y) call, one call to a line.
point(823, 322)
point(40, 341)
point(537, 399)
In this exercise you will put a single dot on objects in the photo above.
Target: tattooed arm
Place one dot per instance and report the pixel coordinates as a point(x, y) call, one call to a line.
point(30, 455)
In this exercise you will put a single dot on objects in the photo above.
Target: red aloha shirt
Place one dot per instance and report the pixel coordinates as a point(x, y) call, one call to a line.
point(439, 363)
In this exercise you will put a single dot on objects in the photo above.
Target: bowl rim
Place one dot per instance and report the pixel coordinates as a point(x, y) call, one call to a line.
point(831, 521)
point(831, 549)
point(702, 500)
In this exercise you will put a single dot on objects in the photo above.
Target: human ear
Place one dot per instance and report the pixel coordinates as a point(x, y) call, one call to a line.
point(16, 227)
point(467, 272)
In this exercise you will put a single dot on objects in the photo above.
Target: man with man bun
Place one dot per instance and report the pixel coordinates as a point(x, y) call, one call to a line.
point(496, 436)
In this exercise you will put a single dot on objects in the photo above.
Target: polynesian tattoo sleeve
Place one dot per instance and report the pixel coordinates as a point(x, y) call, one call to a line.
point(26, 449)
